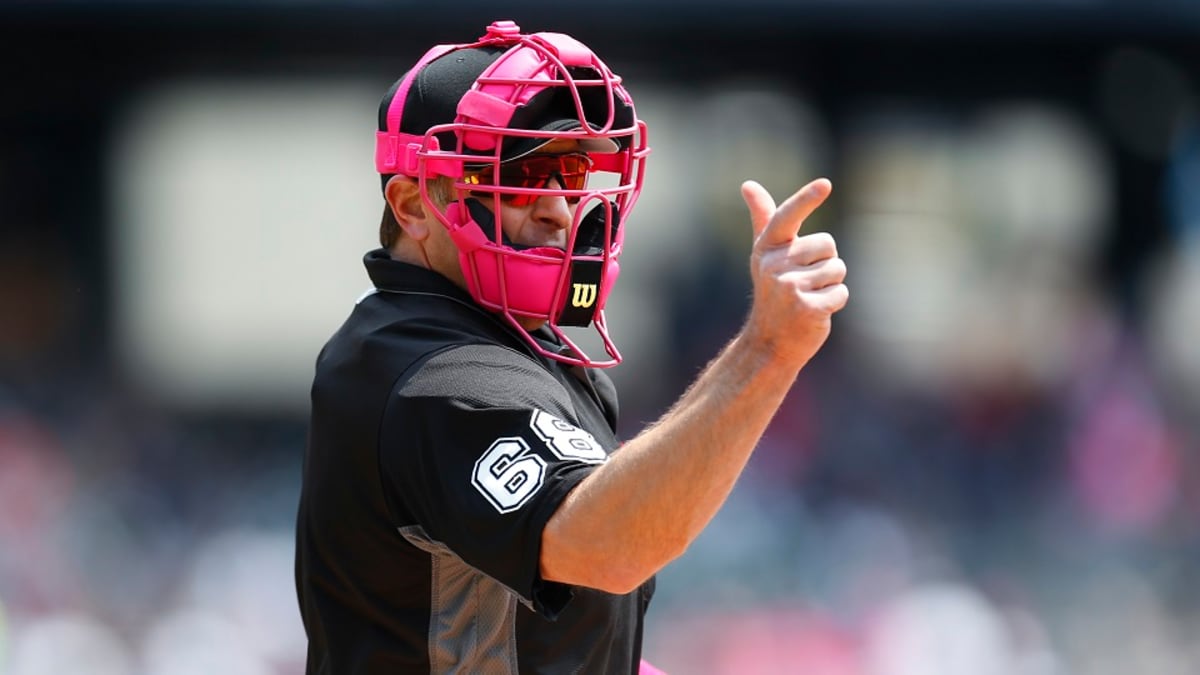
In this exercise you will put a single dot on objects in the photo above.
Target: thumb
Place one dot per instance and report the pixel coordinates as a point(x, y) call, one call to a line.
point(761, 205)
point(786, 221)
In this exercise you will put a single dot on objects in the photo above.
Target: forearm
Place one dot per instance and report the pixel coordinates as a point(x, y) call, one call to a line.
point(643, 507)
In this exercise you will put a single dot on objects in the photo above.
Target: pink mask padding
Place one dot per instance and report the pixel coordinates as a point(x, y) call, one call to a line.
point(531, 276)
point(570, 51)
point(520, 63)
point(607, 161)
point(467, 237)
point(480, 107)
point(532, 279)
point(496, 101)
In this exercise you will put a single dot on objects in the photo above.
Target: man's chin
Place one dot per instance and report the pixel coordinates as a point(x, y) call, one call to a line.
point(530, 324)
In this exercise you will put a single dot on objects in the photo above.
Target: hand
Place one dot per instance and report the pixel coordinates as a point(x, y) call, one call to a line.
point(797, 279)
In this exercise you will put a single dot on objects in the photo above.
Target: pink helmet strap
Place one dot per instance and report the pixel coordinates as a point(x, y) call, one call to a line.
point(396, 152)
point(570, 51)
point(397, 105)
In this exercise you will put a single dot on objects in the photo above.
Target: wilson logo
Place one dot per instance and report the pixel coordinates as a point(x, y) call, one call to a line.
point(583, 295)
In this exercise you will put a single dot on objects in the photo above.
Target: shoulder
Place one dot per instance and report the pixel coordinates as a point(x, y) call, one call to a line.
point(485, 376)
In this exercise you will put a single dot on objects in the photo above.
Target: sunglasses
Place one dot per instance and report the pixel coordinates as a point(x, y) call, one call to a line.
point(534, 173)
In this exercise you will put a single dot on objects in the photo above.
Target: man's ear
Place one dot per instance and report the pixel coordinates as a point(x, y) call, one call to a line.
point(403, 196)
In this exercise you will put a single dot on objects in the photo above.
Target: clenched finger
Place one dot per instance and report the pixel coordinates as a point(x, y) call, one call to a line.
point(811, 248)
point(817, 275)
point(830, 298)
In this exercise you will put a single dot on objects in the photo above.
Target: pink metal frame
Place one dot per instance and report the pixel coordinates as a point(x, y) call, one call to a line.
point(528, 283)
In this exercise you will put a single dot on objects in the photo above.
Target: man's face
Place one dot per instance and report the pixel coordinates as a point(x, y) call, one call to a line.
point(544, 221)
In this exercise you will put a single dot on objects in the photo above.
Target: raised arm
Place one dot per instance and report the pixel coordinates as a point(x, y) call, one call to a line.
point(644, 507)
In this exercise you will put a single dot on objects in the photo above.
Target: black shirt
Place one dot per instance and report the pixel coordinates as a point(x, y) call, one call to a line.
point(439, 446)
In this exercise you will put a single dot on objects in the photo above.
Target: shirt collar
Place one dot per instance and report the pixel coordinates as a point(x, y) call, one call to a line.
point(389, 274)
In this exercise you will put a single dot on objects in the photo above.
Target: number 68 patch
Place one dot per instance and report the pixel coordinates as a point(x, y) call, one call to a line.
point(510, 472)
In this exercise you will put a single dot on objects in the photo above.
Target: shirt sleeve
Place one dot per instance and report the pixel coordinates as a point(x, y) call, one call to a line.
point(480, 446)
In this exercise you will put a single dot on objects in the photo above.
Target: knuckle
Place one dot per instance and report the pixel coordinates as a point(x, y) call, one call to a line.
point(841, 297)
point(817, 246)
point(826, 242)
point(839, 267)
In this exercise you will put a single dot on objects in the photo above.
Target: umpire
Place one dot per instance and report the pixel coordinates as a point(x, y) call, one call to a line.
point(465, 507)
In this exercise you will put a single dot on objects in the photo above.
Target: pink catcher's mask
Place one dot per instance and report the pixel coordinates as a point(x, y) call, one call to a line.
point(521, 93)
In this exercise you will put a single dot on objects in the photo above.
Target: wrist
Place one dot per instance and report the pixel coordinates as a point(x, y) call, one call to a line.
point(759, 352)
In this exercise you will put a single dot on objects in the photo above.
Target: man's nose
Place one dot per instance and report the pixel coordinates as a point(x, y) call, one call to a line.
point(553, 210)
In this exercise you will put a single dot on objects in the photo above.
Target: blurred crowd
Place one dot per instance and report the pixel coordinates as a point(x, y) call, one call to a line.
point(991, 469)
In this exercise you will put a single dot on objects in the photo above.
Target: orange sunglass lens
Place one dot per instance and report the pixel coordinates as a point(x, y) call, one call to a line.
point(536, 172)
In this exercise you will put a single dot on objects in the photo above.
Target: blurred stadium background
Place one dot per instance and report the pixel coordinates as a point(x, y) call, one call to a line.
point(992, 469)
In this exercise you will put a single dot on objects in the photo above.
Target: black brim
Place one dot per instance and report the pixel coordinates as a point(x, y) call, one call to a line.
point(519, 147)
